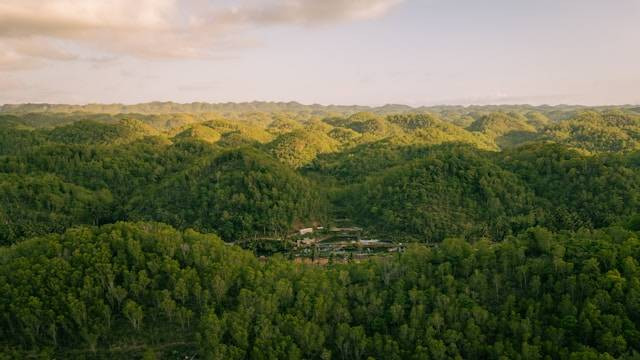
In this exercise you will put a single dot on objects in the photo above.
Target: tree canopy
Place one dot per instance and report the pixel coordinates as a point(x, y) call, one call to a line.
point(129, 231)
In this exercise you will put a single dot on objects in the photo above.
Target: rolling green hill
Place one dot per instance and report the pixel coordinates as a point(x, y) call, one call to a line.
point(145, 289)
point(594, 132)
point(506, 129)
point(199, 132)
point(96, 133)
point(298, 148)
point(237, 194)
point(450, 191)
point(480, 232)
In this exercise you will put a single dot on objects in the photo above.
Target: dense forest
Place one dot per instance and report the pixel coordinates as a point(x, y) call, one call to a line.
point(124, 231)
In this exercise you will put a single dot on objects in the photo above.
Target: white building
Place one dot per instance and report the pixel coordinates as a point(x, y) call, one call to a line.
point(372, 241)
point(306, 231)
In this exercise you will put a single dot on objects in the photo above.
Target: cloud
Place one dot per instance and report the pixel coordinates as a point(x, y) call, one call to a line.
point(33, 31)
point(309, 11)
point(19, 55)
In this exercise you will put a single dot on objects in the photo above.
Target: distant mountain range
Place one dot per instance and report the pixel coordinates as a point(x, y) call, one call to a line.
point(157, 107)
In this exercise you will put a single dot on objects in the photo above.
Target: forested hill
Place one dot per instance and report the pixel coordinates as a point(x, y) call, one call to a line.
point(144, 289)
point(420, 176)
point(507, 232)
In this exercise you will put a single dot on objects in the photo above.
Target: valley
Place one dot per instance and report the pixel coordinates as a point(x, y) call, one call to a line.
point(319, 180)
point(281, 230)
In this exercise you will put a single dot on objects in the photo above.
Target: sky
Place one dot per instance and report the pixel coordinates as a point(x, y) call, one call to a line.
point(366, 52)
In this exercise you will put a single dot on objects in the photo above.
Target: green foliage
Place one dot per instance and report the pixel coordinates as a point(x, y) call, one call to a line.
point(499, 123)
point(298, 148)
point(532, 251)
point(200, 132)
point(609, 131)
point(507, 130)
point(450, 191)
point(95, 286)
point(537, 119)
point(353, 165)
point(427, 193)
point(430, 130)
point(535, 295)
point(94, 133)
point(37, 205)
point(382, 170)
point(576, 190)
point(237, 194)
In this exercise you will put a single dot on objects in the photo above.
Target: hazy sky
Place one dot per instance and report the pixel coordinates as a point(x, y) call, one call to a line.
point(370, 52)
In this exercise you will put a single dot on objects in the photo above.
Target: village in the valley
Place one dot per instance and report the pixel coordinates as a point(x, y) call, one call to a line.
point(319, 244)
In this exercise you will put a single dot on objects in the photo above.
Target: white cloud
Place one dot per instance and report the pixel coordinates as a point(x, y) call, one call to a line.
point(309, 11)
point(33, 31)
point(16, 54)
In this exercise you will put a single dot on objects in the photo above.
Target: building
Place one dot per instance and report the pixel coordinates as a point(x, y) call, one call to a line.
point(372, 241)
point(306, 231)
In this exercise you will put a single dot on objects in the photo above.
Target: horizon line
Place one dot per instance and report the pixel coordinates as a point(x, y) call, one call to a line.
point(293, 102)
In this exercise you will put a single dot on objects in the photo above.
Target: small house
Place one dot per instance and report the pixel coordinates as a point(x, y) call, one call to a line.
point(306, 231)
point(367, 242)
